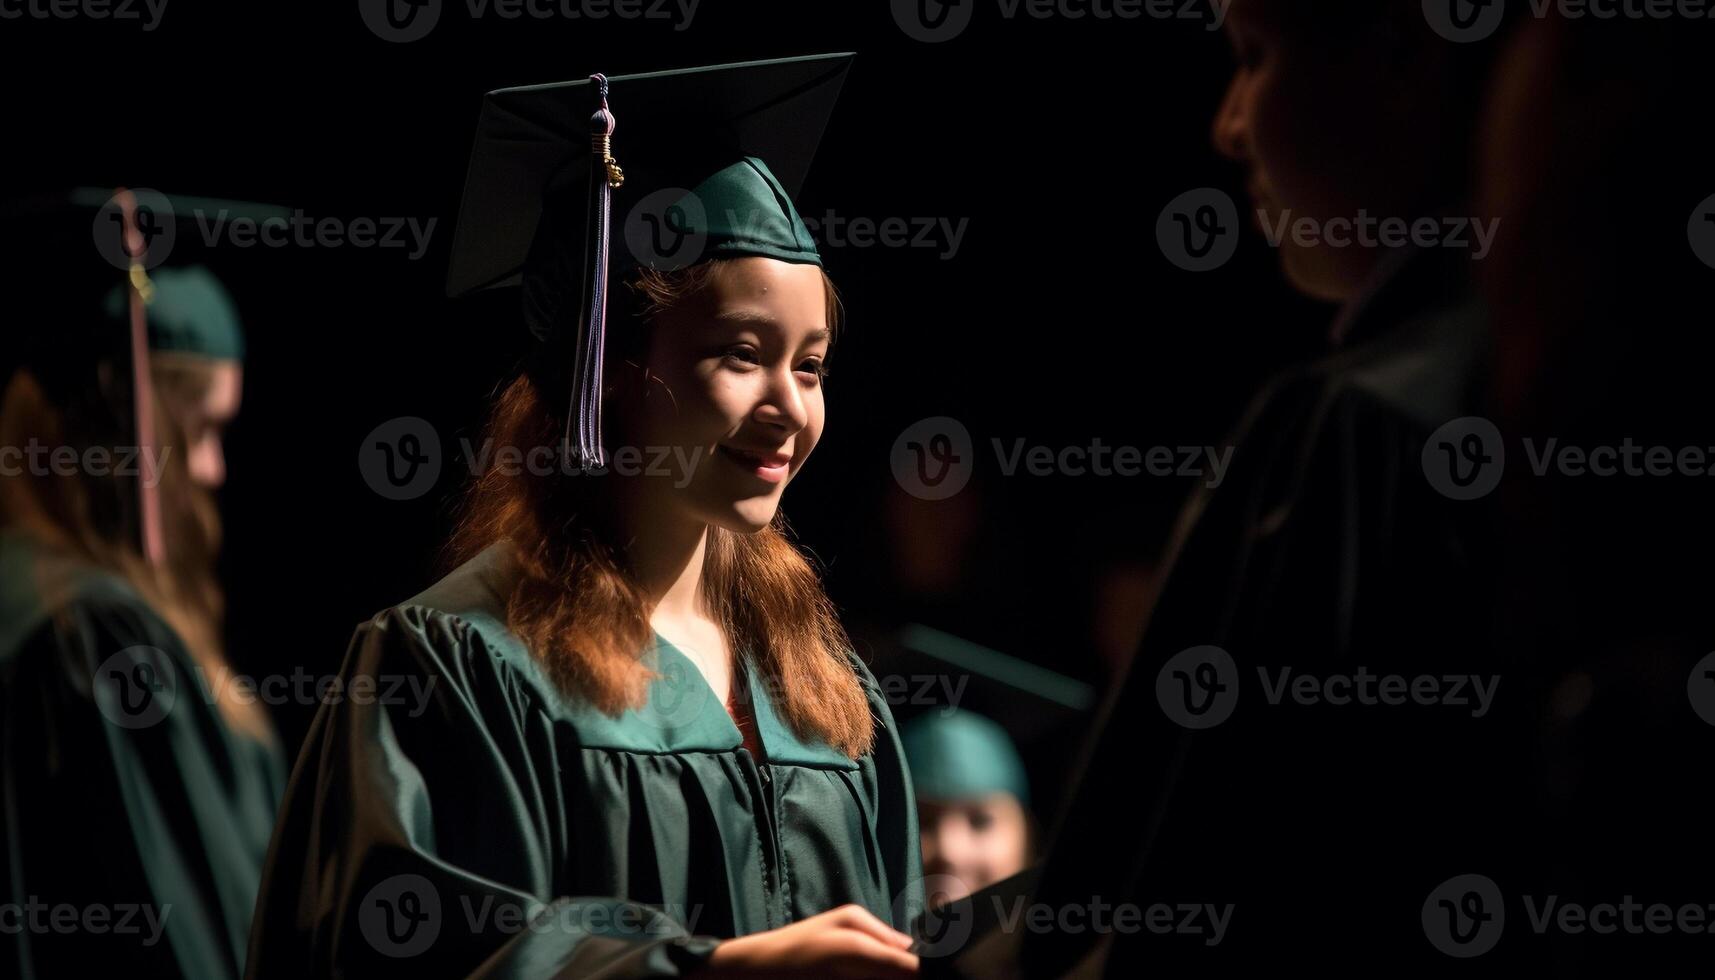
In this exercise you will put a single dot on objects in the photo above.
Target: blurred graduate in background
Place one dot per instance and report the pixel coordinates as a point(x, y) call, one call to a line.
point(967, 710)
point(1602, 276)
point(137, 780)
point(1325, 553)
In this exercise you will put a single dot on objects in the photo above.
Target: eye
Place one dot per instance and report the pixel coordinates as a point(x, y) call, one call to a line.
point(814, 366)
point(1248, 51)
point(741, 355)
point(981, 820)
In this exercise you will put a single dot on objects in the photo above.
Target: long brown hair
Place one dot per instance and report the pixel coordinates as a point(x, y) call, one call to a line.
point(577, 605)
point(93, 517)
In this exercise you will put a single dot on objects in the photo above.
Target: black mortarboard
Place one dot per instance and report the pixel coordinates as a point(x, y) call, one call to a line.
point(690, 164)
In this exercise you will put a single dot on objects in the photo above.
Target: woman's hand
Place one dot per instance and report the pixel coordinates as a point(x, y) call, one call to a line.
point(843, 942)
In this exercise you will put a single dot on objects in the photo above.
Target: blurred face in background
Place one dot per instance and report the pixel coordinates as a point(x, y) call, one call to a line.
point(977, 842)
point(203, 395)
point(1336, 108)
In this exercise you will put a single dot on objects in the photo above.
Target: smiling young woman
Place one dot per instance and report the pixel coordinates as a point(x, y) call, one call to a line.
point(639, 689)
point(724, 369)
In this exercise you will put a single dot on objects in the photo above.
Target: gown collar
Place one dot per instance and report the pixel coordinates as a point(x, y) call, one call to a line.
point(682, 713)
point(681, 684)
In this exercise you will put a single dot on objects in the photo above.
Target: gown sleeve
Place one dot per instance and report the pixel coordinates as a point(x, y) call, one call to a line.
point(418, 828)
point(895, 801)
point(124, 796)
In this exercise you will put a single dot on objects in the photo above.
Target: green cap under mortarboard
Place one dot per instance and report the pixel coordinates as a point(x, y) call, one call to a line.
point(960, 755)
point(575, 184)
point(189, 312)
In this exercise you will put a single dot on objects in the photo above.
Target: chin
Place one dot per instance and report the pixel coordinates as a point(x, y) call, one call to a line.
point(746, 516)
point(1308, 275)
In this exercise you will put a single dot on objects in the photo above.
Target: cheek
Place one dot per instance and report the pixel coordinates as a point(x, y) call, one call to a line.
point(1281, 126)
point(690, 405)
point(816, 419)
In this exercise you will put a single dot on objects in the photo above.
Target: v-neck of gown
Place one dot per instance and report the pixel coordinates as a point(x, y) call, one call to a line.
point(740, 711)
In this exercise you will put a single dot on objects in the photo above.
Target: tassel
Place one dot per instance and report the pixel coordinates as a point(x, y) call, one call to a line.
point(583, 419)
point(140, 293)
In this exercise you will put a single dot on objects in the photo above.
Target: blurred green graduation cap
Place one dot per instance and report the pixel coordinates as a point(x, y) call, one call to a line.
point(69, 254)
point(960, 755)
point(998, 704)
point(574, 184)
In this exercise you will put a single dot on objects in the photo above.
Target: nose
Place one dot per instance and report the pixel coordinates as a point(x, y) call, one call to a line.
point(1230, 132)
point(946, 845)
point(207, 465)
point(782, 404)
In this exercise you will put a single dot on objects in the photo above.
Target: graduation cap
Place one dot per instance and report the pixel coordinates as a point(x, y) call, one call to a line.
point(961, 755)
point(92, 285)
point(695, 164)
point(189, 312)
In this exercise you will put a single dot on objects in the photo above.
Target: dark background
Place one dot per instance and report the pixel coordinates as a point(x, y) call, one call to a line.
point(1058, 320)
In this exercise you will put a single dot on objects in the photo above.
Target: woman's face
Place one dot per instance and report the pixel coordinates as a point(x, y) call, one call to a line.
point(202, 413)
point(1332, 121)
point(977, 842)
point(734, 391)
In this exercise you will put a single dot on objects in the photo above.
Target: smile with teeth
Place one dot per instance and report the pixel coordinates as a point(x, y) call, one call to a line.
point(767, 466)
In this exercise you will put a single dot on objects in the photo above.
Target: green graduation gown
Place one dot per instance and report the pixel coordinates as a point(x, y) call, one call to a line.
point(133, 822)
point(468, 819)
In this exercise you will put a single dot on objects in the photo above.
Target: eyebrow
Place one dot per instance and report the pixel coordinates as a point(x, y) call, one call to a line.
point(741, 317)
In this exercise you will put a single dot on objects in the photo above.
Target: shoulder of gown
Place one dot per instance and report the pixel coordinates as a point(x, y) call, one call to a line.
point(104, 712)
